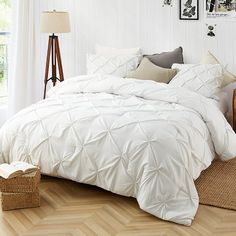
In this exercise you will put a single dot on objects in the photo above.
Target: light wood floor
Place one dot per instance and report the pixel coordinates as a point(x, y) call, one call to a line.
point(68, 208)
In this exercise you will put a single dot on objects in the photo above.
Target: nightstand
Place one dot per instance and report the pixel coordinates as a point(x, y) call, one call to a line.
point(234, 110)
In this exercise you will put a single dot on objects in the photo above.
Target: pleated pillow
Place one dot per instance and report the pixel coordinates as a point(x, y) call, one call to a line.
point(203, 79)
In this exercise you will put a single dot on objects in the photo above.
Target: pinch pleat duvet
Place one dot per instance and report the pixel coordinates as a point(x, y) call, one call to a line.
point(135, 138)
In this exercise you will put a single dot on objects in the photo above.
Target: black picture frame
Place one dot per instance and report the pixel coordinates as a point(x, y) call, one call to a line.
point(187, 7)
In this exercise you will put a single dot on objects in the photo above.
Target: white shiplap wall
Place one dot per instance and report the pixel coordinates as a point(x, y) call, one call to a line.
point(144, 23)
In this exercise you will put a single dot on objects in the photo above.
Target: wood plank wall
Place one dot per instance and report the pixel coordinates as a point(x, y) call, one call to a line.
point(143, 23)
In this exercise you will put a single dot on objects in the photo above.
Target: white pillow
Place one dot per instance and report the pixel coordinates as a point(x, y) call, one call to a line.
point(211, 59)
point(119, 65)
point(103, 50)
point(203, 79)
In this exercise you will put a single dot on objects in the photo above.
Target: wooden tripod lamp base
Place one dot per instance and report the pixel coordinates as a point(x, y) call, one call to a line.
point(54, 22)
point(55, 55)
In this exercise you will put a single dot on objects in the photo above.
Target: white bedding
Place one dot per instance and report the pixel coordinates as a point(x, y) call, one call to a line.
point(132, 137)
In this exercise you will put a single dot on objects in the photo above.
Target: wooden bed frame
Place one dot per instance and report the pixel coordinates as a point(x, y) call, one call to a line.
point(234, 110)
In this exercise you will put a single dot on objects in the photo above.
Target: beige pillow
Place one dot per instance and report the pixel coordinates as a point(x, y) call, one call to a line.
point(148, 71)
point(211, 59)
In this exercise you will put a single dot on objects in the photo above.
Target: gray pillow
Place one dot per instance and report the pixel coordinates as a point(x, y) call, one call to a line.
point(167, 59)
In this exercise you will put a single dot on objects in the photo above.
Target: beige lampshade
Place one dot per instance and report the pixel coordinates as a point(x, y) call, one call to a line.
point(55, 22)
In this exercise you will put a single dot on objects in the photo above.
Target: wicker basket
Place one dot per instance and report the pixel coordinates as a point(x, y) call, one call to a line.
point(12, 201)
point(27, 183)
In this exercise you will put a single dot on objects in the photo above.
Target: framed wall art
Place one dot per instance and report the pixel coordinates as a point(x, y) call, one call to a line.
point(220, 9)
point(189, 10)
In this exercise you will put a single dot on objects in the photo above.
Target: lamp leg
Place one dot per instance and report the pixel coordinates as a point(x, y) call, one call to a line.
point(45, 89)
point(54, 60)
point(47, 66)
point(58, 55)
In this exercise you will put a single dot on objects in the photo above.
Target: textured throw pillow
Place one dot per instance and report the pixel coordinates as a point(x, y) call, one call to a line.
point(211, 59)
point(112, 65)
point(203, 79)
point(148, 71)
point(103, 50)
point(167, 59)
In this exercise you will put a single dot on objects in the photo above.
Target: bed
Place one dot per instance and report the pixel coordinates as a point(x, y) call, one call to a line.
point(135, 138)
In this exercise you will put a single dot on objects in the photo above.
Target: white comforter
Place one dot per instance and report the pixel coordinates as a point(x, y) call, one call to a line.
point(132, 137)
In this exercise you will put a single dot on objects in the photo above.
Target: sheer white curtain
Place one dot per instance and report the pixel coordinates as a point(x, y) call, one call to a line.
point(25, 82)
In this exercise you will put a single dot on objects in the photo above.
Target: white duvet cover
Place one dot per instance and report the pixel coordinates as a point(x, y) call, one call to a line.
point(134, 138)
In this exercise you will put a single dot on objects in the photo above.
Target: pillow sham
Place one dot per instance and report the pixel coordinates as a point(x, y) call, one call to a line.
point(103, 50)
point(167, 59)
point(229, 90)
point(149, 71)
point(112, 65)
point(221, 100)
point(203, 79)
point(209, 58)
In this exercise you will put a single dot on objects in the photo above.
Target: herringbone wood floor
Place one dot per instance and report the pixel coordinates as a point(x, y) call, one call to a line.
point(72, 209)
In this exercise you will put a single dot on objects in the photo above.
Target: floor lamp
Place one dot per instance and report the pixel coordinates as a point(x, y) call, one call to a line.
point(54, 22)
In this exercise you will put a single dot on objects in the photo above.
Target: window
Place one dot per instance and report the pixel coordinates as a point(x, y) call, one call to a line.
point(5, 16)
